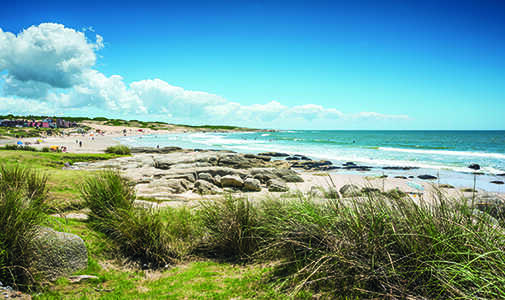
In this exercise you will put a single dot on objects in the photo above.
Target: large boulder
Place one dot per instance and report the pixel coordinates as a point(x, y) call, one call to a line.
point(261, 157)
point(311, 164)
point(252, 185)
point(350, 190)
point(275, 185)
point(263, 174)
point(58, 254)
point(203, 187)
point(232, 181)
point(222, 171)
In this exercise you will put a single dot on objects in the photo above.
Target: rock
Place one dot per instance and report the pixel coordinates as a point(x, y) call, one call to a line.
point(252, 185)
point(154, 150)
point(58, 254)
point(446, 186)
point(238, 161)
point(287, 175)
point(311, 164)
point(400, 168)
point(178, 185)
point(401, 177)
point(217, 180)
point(497, 182)
point(204, 187)
point(491, 204)
point(474, 167)
point(349, 163)
point(427, 177)
point(349, 190)
point(232, 181)
point(263, 174)
point(411, 176)
point(273, 154)
point(328, 168)
point(292, 158)
point(383, 176)
point(302, 157)
point(205, 176)
point(277, 186)
point(221, 171)
point(80, 278)
point(261, 157)
point(501, 175)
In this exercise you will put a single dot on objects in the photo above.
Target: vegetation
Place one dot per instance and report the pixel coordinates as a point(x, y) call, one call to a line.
point(119, 149)
point(22, 196)
point(378, 245)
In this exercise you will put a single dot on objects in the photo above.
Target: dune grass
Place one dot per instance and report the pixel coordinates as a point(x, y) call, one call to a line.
point(119, 149)
point(22, 196)
point(381, 245)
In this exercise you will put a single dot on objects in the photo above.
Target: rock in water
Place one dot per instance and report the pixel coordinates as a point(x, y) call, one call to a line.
point(474, 167)
point(497, 182)
point(252, 185)
point(58, 254)
point(427, 177)
point(231, 181)
point(277, 186)
point(349, 190)
point(274, 154)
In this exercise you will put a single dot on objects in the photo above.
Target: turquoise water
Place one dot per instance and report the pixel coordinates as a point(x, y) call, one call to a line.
point(446, 153)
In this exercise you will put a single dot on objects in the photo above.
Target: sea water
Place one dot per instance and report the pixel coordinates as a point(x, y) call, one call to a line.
point(445, 154)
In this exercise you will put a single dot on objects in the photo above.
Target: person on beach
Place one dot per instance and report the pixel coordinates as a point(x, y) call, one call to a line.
point(80, 143)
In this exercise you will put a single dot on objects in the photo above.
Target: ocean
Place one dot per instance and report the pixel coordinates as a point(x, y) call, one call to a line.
point(445, 154)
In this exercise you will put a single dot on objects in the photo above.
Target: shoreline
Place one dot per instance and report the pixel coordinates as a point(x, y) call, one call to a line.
point(97, 143)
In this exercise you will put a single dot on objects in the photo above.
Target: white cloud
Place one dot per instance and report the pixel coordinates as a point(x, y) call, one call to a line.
point(49, 69)
point(44, 56)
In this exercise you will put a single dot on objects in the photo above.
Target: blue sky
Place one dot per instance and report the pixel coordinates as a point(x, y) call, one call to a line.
point(280, 64)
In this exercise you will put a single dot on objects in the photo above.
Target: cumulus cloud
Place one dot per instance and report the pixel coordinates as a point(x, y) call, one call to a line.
point(49, 69)
point(45, 56)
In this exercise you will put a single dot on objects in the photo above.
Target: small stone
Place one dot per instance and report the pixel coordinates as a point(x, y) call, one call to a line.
point(277, 186)
point(252, 185)
point(474, 167)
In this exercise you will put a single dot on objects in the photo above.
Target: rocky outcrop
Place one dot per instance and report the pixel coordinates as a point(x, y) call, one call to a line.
point(275, 185)
point(179, 174)
point(58, 254)
point(497, 182)
point(311, 164)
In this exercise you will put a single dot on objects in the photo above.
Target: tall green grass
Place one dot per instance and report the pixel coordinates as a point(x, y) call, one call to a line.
point(22, 196)
point(119, 149)
point(380, 245)
point(152, 237)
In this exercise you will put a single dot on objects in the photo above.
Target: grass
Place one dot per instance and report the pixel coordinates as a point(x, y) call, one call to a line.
point(119, 149)
point(63, 184)
point(22, 195)
point(25, 132)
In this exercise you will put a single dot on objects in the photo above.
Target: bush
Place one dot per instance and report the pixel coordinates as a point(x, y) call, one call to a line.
point(233, 227)
point(120, 149)
point(22, 196)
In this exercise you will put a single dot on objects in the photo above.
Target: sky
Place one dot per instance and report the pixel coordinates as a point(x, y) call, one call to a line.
point(421, 65)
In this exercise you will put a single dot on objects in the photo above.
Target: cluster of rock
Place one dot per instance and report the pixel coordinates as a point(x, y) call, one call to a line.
point(207, 172)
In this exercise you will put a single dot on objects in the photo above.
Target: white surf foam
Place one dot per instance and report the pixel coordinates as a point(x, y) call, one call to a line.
point(446, 152)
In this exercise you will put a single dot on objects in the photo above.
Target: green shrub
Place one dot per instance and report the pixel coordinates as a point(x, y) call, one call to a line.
point(22, 196)
point(233, 226)
point(45, 149)
point(119, 149)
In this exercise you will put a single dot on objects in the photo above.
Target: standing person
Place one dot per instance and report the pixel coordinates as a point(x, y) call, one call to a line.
point(80, 143)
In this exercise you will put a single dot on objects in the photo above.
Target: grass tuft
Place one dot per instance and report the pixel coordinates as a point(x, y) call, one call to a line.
point(119, 149)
